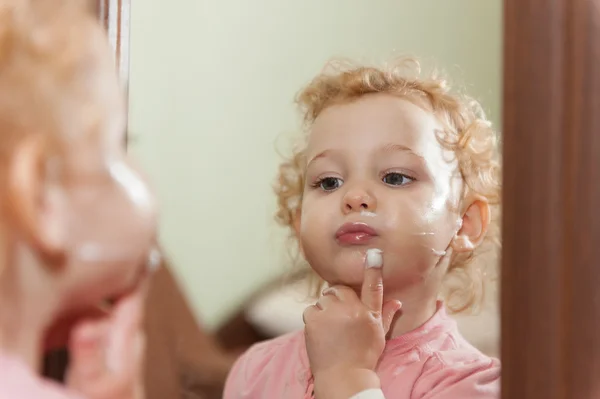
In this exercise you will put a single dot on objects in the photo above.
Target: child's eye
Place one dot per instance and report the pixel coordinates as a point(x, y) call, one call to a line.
point(328, 183)
point(396, 179)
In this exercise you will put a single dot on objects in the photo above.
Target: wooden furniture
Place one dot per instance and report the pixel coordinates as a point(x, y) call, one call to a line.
point(551, 226)
point(182, 359)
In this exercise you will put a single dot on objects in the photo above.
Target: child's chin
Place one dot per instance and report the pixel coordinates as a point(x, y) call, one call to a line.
point(351, 275)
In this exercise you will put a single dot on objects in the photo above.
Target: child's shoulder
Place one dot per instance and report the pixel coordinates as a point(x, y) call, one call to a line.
point(460, 372)
point(438, 360)
point(284, 346)
point(453, 351)
point(280, 359)
point(451, 369)
point(18, 382)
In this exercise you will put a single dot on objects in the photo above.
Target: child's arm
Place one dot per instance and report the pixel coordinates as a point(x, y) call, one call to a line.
point(345, 336)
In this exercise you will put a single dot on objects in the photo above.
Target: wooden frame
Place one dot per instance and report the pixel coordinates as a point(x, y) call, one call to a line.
point(551, 214)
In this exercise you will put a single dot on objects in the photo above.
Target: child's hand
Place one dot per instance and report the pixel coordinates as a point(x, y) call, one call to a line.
point(345, 336)
point(58, 334)
point(107, 354)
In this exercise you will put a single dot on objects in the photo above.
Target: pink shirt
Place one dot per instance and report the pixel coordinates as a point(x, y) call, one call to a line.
point(17, 381)
point(433, 361)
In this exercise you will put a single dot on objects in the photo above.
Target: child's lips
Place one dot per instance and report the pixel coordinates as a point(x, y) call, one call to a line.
point(357, 233)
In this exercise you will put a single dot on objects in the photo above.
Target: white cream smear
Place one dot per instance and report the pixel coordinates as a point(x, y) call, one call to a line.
point(137, 191)
point(94, 252)
point(131, 183)
point(438, 253)
point(368, 214)
point(374, 258)
point(434, 251)
point(154, 260)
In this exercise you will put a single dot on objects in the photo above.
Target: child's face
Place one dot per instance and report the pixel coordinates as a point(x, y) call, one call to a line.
point(377, 177)
point(104, 210)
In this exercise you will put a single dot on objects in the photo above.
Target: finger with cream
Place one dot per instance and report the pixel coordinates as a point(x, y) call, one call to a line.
point(374, 258)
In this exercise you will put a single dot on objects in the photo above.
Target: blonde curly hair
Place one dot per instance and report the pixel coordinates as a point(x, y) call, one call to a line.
point(466, 131)
point(55, 63)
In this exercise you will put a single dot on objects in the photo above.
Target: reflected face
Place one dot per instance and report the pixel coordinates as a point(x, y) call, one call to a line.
point(110, 212)
point(377, 177)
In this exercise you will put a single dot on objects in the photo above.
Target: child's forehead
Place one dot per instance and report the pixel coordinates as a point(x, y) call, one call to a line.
point(375, 121)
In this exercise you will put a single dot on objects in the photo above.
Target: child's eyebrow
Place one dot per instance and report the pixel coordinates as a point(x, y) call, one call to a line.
point(388, 148)
point(322, 154)
point(393, 147)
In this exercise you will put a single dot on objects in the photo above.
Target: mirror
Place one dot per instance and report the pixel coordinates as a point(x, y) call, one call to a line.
point(211, 104)
point(211, 109)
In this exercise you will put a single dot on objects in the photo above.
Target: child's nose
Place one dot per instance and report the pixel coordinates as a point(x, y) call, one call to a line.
point(358, 200)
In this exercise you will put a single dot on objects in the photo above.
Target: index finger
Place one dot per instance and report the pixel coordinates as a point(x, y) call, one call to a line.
point(126, 326)
point(372, 288)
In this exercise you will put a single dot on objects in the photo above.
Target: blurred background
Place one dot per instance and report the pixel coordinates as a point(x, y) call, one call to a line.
point(211, 104)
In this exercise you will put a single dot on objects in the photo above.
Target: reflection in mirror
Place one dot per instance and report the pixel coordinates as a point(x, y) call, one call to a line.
point(211, 103)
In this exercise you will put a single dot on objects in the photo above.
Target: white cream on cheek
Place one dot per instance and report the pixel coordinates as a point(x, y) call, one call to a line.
point(437, 252)
point(434, 251)
point(427, 218)
point(94, 252)
point(133, 190)
point(154, 260)
point(443, 198)
point(132, 184)
point(446, 187)
point(91, 252)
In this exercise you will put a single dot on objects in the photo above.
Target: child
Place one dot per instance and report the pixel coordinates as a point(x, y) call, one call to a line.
point(77, 222)
point(401, 167)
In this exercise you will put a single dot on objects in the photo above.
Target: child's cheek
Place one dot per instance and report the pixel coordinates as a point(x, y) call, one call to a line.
point(425, 226)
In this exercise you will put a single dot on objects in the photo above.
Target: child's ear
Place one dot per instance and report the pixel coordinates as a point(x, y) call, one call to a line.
point(475, 224)
point(34, 203)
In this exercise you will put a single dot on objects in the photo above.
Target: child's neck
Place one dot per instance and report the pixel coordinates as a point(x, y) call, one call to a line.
point(23, 321)
point(414, 313)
